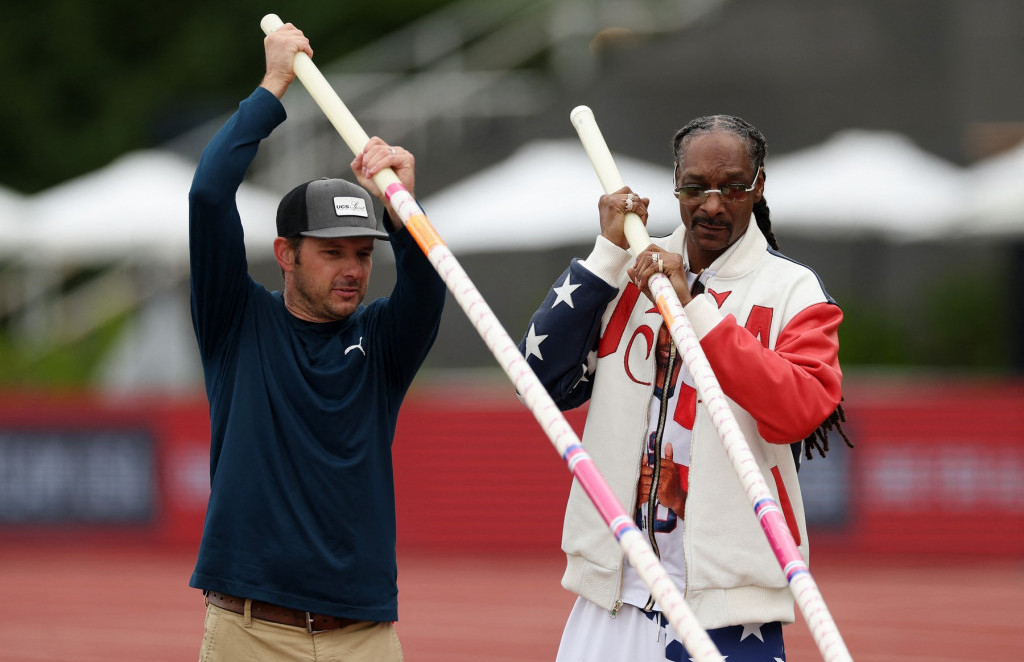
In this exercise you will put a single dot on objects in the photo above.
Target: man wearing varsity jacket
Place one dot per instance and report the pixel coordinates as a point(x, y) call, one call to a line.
point(769, 331)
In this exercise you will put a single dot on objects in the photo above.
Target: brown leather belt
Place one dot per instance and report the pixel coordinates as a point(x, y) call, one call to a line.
point(275, 614)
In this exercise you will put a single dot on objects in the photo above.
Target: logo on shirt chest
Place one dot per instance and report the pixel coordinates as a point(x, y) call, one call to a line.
point(358, 345)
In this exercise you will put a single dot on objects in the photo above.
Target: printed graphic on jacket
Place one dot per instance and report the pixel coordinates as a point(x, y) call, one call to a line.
point(669, 423)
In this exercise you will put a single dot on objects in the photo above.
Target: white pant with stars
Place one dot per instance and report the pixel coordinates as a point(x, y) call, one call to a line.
point(592, 635)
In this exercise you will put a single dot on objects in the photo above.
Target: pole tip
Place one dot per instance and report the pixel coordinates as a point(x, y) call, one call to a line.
point(580, 112)
point(270, 23)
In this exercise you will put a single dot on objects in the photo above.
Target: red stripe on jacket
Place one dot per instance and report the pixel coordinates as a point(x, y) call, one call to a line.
point(789, 390)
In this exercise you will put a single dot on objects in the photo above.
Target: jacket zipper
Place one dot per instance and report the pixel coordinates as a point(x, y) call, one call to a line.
point(622, 560)
point(652, 494)
point(693, 443)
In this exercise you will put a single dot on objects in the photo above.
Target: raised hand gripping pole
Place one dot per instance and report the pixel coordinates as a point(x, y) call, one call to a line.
point(801, 584)
point(536, 398)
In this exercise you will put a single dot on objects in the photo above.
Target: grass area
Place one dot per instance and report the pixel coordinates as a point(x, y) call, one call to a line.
point(28, 364)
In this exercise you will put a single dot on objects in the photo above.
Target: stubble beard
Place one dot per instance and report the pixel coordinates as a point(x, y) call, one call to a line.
point(316, 300)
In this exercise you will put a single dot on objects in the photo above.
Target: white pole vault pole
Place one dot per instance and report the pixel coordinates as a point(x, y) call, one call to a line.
point(533, 393)
point(801, 584)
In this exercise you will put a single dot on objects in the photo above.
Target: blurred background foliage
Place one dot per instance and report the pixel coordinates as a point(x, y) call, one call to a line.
point(87, 81)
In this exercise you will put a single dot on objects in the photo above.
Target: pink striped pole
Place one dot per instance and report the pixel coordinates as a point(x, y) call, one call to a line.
point(532, 392)
point(769, 515)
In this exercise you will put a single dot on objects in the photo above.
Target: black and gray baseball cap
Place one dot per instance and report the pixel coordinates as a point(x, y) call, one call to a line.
point(328, 208)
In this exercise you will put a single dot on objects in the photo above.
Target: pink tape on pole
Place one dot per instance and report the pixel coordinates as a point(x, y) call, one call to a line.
point(776, 530)
point(394, 188)
point(583, 468)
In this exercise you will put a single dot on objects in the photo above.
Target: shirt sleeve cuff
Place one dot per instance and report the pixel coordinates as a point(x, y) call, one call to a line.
point(703, 315)
point(607, 261)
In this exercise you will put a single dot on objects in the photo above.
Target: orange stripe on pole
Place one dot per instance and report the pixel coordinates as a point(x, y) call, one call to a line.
point(423, 232)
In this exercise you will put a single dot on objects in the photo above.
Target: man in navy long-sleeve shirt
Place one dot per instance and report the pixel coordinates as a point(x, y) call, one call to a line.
point(298, 550)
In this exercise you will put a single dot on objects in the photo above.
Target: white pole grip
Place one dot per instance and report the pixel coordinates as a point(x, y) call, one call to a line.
point(604, 165)
point(336, 111)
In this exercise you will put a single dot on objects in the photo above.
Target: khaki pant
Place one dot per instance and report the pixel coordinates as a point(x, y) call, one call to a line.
point(231, 637)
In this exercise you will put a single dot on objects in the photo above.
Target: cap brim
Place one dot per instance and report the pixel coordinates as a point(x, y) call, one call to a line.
point(335, 233)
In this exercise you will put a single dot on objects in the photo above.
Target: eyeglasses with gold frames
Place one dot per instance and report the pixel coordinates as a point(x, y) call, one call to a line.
point(693, 194)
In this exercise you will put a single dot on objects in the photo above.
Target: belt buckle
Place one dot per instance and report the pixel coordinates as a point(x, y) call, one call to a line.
point(309, 623)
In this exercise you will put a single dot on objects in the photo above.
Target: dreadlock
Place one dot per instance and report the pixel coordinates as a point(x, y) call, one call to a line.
point(757, 149)
point(818, 440)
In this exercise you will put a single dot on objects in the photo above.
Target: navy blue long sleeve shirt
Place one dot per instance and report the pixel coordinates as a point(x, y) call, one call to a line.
point(303, 415)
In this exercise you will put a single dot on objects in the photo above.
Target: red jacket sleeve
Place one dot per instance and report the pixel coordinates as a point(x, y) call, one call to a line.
point(789, 390)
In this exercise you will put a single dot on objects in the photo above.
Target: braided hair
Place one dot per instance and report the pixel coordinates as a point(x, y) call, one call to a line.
point(757, 149)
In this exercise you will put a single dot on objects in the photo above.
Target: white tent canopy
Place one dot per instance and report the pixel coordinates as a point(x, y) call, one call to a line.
point(136, 208)
point(865, 182)
point(857, 183)
point(997, 186)
point(544, 194)
point(135, 212)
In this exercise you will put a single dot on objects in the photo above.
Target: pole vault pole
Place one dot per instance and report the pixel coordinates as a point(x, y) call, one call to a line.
point(532, 392)
point(802, 585)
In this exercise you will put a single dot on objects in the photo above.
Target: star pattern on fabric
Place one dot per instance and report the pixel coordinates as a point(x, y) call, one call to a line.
point(583, 376)
point(533, 342)
point(587, 369)
point(751, 629)
point(563, 293)
point(727, 645)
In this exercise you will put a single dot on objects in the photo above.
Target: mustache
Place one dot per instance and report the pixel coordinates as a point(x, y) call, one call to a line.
point(346, 283)
point(710, 222)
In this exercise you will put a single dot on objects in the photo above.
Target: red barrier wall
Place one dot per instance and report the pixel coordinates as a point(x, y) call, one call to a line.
point(937, 469)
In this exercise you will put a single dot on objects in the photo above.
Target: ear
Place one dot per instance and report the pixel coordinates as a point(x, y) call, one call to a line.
point(759, 191)
point(284, 254)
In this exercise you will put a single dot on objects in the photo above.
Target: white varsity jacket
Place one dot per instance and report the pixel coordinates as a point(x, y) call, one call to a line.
point(769, 331)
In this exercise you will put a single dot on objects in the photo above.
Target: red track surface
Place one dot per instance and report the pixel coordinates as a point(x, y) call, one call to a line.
point(89, 604)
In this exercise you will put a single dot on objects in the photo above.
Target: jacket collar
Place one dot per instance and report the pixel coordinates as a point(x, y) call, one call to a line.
point(739, 259)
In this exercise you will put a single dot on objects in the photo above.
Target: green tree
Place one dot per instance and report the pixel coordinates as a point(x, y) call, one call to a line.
point(87, 81)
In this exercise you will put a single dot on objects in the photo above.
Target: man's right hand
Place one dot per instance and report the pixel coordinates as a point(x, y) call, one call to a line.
point(281, 46)
point(376, 156)
point(613, 208)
